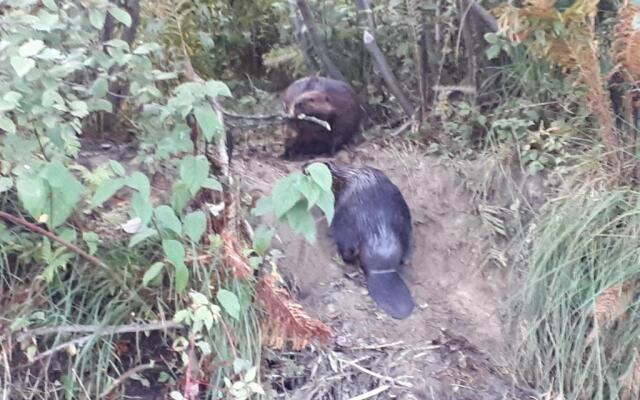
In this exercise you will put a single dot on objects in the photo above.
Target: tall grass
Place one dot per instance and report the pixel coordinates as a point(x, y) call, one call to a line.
point(583, 244)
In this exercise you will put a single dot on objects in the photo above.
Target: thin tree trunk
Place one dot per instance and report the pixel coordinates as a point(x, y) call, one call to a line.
point(318, 43)
point(302, 38)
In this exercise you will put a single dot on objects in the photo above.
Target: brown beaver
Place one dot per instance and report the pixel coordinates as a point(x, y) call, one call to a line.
point(372, 227)
point(327, 99)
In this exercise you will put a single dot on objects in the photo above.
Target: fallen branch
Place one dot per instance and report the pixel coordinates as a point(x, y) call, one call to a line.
point(35, 228)
point(99, 329)
point(375, 374)
point(371, 393)
point(126, 376)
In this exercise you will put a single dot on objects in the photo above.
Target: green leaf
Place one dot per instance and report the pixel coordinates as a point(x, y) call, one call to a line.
point(321, 175)
point(326, 203)
point(117, 167)
point(198, 298)
point(50, 4)
point(194, 172)
point(195, 224)
point(142, 208)
point(121, 15)
point(180, 196)
point(310, 190)
point(140, 182)
point(262, 238)
point(286, 194)
point(212, 184)
point(229, 302)
point(79, 108)
point(491, 38)
point(208, 121)
point(65, 192)
point(174, 251)
point(163, 76)
point(31, 48)
point(141, 236)
point(168, 219)
point(22, 65)
point(100, 87)
point(302, 222)
point(32, 192)
point(5, 184)
point(264, 206)
point(92, 240)
point(493, 51)
point(153, 271)
point(7, 125)
point(147, 48)
point(96, 17)
point(106, 190)
point(217, 88)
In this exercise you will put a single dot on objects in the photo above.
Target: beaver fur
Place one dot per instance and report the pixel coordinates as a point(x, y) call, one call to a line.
point(327, 99)
point(372, 227)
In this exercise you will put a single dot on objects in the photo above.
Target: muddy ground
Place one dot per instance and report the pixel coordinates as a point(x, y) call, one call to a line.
point(452, 347)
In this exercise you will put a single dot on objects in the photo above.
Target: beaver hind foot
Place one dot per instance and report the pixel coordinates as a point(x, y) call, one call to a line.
point(391, 294)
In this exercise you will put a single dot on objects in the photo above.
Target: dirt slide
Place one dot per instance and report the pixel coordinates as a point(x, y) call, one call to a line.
point(452, 347)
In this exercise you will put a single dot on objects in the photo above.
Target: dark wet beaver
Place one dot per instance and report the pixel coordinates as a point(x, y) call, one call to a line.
point(327, 99)
point(372, 227)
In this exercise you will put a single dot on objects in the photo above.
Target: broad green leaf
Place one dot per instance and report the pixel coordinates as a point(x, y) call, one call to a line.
point(194, 172)
point(229, 302)
point(310, 190)
point(117, 167)
point(100, 87)
point(321, 175)
point(141, 237)
point(493, 51)
point(147, 48)
point(79, 108)
point(22, 65)
point(195, 224)
point(65, 192)
point(96, 17)
point(32, 192)
point(212, 184)
point(92, 240)
point(52, 97)
point(142, 208)
point(7, 125)
point(262, 238)
point(198, 298)
point(140, 182)
point(106, 190)
point(264, 206)
point(100, 105)
point(153, 271)
point(5, 183)
point(121, 15)
point(31, 48)
point(302, 222)
point(174, 251)
point(326, 202)
point(180, 196)
point(50, 4)
point(286, 194)
point(208, 121)
point(168, 219)
point(217, 88)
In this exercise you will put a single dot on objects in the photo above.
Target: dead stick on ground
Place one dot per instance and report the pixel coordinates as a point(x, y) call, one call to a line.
point(35, 228)
point(376, 375)
point(371, 393)
point(126, 376)
point(99, 329)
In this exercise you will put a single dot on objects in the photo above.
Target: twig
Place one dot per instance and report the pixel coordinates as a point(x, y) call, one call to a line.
point(126, 376)
point(99, 329)
point(62, 346)
point(378, 346)
point(371, 393)
point(376, 375)
point(402, 128)
point(35, 228)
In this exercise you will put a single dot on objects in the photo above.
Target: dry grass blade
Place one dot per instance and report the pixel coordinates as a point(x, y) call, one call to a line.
point(630, 381)
point(287, 321)
point(611, 305)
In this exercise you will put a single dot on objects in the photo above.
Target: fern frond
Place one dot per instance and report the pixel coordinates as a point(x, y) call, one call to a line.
point(626, 45)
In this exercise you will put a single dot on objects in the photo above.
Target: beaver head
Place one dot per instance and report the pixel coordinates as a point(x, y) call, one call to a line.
point(314, 103)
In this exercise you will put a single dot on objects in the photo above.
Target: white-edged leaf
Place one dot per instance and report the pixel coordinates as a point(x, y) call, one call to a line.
point(22, 65)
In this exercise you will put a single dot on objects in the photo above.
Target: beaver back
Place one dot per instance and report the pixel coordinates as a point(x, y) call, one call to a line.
point(327, 99)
